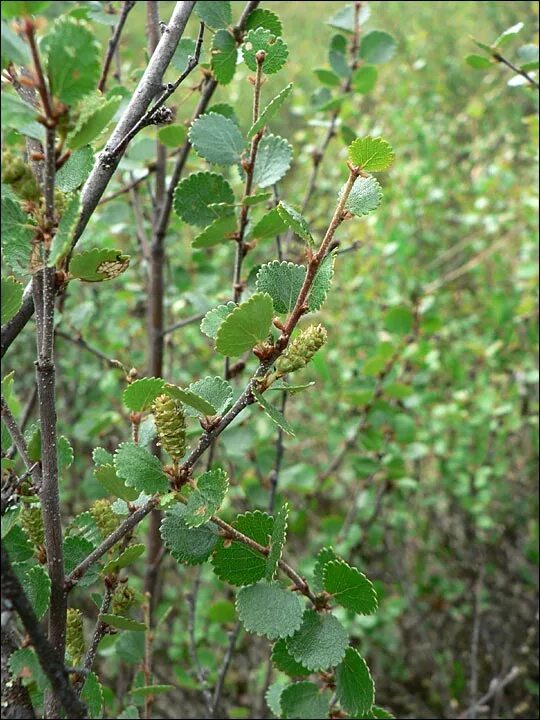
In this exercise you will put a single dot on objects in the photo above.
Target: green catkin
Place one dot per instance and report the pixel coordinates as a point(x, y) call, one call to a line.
point(122, 600)
point(302, 349)
point(104, 517)
point(170, 425)
point(32, 523)
point(75, 636)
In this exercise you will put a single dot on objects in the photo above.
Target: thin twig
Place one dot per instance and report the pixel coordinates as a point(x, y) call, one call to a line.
point(224, 668)
point(182, 323)
point(501, 59)
point(127, 6)
point(77, 339)
point(192, 645)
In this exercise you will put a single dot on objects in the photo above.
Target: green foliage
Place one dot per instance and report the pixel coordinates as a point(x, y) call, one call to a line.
point(276, 52)
point(377, 47)
point(190, 398)
point(96, 115)
point(217, 139)
point(76, 549)
point(270, 110)
point(215, 14)
point(20, 116)
point(122, 623)
point(364, 78)
point(106, 475)
point(12, 294)
point(344, 18)
point(273, 160)
point(349, 587)
point(223, 61)
point(294, 220)
point(354, 685)
point(213, 319)
point(76, 169)
point(98, 265)
point(17, 233)
point(371, 154)
point(215, 391)
point(270, 225)
point(36, 585)
point(282, 281)
point(268, 609)
point(220, 231)
point(206, 497)
point(320, 643)
point(264, 18)
point(72, 61)
point(191, 546)
point(239, 564)
point(92, 695)
point(365, 196)
point(284, 661)
point(127, 557)
point(61, 243)
point(139, 469)
point(245, 326)
point(303, 700)
point(141, 393)
point(197, 192)
point(277, 541)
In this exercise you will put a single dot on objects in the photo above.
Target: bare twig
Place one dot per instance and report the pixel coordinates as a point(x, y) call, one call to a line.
point(127, 6)
point(224, 668)
point(495, 686)
point(192, 645)
point(501, 59)
point(77, 339)
point(182, 323)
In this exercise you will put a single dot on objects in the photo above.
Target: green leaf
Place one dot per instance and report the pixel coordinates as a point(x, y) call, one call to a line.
point(256, 199)
point(371, 154)
point(23, 663)
point(184, 49)
point(36, 585)
point(12, 294)
point(320, 643)
point(140, 469)
point(325, 555)
point(215, 14)
point(273, 695)
point(247, 325)
point(277, 541)
point(478, 62)
point(217, 139)
point(73, 62)
point(20, 116)
point(189, 398)
point(62, 241)
point(220, 231)
point(274, 47)
point(282, 281)
point(327, 77)
point(213, 319)
point(237, 563)
point(399, 320)
point(295, 221)
point(379, 712)
point(270, 225)
point(172, 135)
point(131, 712)
point(191, 546)
point(130, 554)
point(364, 79)
point(17, 233)
point(84, 526)
point(20, 9)
point(106, 476)
point(354, 685)
point(98, 265)
point(337, 56)
point(199, 190)
point(140, 395)
point(349, 587)
point(223, 59)
point(76, 169)
point(207, 497)
point(96, 115)
point(76, 549)
point(151, 690)
point(263, 18)
point(284, 661)
point(507, 35)
point(304, 700)
point(215, 391)
point(14, 49)
point(344, 18)
point(532, 65)
point(365, 196)
point(100, 456)
point(270, 110)
point(92, 695)
point(377, 47)
point(273, 413)
point(221, 611)
point(273, 160)
point(65, 453)
point(122, 623)
point(321, 283)
point(270, 610)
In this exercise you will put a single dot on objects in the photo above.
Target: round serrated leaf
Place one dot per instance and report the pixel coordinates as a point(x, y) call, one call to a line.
point(12, 294)
point(216, 391)
point(321, 283)
point(106, 475)
point(95, 116)
point(92, 695)
point(207, 497)
point(269, 225)
point(172, 135)
point(191, 546)
point(217, 139)
point(130, 554)
point(284, 661)
point(17, 233)
point(371, 154)
point(377, 47)
point(277, 541)
point(263, 18)
point(305, 701)
point(62, 241)
point(36, 585)
point(270, 610)
point(77, 549)
point(98, 264)
point(274, 156)
point(354, 684)
point(325, 555)
point(274, 47)
point(272, 697)
point(365, 196)
point(237, 563)
point(224, 54)
point(141, 393)
point(349, 587)
point(211, 322)
point(282, 281)
point(140, 469)
point(270, 110)
point(295, 221)
point(216, 14)
point(364, 79)
point(320, 643)
point(195, 193)
point(247, 325)
point(220, 231)
point(76, 169)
